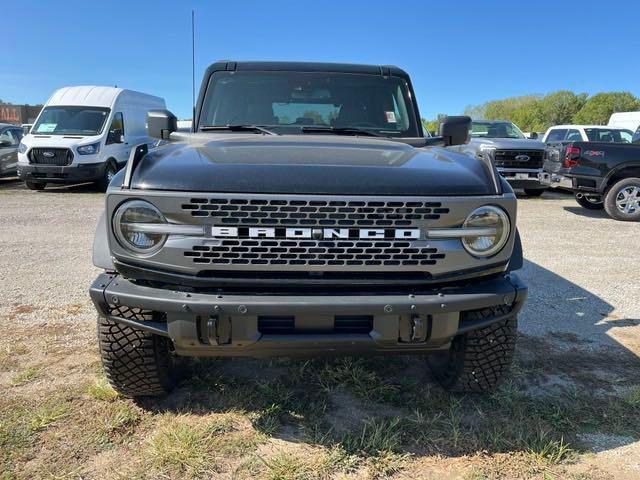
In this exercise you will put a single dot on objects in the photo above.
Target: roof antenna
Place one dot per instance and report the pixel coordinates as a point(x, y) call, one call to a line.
point(193, 70)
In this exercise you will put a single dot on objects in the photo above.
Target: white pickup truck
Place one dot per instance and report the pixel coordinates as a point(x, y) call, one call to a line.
point(587, 133)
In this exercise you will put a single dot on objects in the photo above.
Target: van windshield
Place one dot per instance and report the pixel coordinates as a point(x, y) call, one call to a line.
point(290, 102)
point(71, 121)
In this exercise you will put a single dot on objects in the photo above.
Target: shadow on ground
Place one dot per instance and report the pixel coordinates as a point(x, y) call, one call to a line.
point(585, 212)
point(569, 379)
point(14, 183)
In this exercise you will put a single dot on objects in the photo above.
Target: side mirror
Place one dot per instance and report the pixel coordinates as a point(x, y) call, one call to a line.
point(161, 123)
point(533, 135)
point(115, 136)
point(454, 130)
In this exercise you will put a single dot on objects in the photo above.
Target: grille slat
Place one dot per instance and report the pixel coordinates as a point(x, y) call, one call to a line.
point(313, 212)
point(60, 157)
point(507, 158)
point(314, 252)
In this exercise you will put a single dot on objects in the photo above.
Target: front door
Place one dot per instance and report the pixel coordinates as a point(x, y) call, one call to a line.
point(9, 141)
point(117, 145)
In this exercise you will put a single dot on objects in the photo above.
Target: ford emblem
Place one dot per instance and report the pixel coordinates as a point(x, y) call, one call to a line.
point(48, 154)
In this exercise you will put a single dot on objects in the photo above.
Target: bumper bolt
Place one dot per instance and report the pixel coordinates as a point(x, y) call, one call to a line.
point(185, 307)
point(242, 309)
point(443, 306)
point(115, 299)
point(388, 308)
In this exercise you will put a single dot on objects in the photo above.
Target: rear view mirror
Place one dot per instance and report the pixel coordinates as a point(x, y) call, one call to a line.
point(161, 123)
point(533, 135)
point(454, 130)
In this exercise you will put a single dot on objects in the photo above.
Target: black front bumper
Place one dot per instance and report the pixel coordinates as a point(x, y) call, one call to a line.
point(202, 324)
point(70, 174)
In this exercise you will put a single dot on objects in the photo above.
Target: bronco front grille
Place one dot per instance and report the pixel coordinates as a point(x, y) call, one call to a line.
point(51, 156)
point(507, 158)
point(319, 213)
point(284, 252)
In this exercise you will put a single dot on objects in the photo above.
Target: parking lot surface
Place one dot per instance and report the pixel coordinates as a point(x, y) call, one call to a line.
point(584, 299)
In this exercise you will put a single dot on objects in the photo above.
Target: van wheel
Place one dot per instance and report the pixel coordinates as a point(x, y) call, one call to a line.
point(590, 202)
point(622, 201)
point(35, 185)
point(108, 174)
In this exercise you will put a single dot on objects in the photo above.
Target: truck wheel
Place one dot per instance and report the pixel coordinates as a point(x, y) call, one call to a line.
point(590, 202)
point(534, 192)
point(136, 363)
point(622, 201)
point(35, 185)
point(108, 174)
point(477, 361)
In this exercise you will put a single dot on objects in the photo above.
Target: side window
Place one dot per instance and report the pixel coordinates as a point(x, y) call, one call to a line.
point(574, 136)
point(18, 133)
point(116, 129)
point(556, 135)
point(9, 138)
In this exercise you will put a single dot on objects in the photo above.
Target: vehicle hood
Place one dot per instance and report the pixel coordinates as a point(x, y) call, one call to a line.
point(309, 164)
point(58, 141)
point(510, 143)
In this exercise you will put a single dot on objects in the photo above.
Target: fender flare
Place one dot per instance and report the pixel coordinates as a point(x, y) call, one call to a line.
point(516, 261)
point(607, 179)
point(101, 253)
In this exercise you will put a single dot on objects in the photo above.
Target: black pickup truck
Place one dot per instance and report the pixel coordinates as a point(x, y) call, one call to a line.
point(307, 214)
point(602, 175)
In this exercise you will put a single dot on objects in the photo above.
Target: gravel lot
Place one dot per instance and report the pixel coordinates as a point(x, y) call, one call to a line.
point(581, 266)
point(576, 374)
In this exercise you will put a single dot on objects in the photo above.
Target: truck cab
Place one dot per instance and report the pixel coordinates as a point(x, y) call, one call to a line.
point(307, 214)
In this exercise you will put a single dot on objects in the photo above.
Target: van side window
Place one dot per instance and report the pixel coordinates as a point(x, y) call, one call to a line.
point(116, 129)
point(9, 136)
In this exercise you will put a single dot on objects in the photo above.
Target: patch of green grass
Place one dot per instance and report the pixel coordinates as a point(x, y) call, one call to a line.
point(375, 436)
point(545, 448)
point(284, 466)
point(25, 376)
point(632, 397)
point(101, 389)
point(48, 414)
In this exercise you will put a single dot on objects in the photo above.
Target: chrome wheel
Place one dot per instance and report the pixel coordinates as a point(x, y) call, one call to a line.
point(628, 199)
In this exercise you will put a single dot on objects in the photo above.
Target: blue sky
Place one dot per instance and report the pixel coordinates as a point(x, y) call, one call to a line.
point(457, 56)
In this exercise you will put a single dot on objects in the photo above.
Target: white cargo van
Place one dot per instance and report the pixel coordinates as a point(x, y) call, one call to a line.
point(627, 120)
point(84, 134)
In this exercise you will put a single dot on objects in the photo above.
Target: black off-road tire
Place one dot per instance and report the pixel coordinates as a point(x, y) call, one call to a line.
point(534, 192)
point(35, 185)
point(589, 204)
point(136, 363)
point(479, 360)
point(610, 199)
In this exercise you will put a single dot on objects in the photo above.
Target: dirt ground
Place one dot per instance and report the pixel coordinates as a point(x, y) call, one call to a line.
point(571, 408)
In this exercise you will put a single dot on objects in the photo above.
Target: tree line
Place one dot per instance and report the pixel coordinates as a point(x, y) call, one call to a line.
point(536, 113)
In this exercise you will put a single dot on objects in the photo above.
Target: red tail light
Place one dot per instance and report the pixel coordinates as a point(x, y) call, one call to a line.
point(571, 156)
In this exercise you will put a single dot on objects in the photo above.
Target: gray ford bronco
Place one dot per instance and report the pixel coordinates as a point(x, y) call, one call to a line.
point(306, 214)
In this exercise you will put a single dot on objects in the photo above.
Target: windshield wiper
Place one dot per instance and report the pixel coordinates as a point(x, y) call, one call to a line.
point(238, 128)
point(340, 130)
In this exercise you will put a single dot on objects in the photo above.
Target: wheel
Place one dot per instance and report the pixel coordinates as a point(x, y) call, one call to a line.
point(477, 361)
point(622, 201)
point(591, 202)
point(35, 185)
point(534, 192)
point(136, 363)
point(108, 174)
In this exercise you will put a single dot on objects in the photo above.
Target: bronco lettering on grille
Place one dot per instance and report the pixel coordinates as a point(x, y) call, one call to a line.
point(315, 233)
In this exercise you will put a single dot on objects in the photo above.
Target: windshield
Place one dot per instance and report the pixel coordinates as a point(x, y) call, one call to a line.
point(608, 135)
point(495, 130)
point(71, 121)
point(287, 101)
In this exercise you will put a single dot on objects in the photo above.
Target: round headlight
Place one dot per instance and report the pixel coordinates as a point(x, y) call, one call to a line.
point(496, 222)
point(133, 225)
